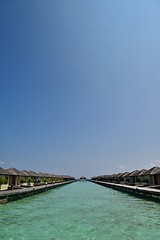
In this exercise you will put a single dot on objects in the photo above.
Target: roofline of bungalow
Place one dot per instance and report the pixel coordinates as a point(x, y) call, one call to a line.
point(134, 177)
point(15, 177)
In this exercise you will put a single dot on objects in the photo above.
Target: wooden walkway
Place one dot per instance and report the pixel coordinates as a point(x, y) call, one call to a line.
point(12, 195)
point(149, 193)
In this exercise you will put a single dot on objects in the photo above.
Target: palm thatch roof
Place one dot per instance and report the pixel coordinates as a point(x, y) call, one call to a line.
point(151, 171)
point(47, 175)
point(3, 171)
point(120, 175)
point(126, 174)
point(23, 173)
point(134, 173)
point(53, 175)
point(40, 174)
point(156, 170)
point(65, 176)
point(106, 176)
point(31, 173)
point(13, 171)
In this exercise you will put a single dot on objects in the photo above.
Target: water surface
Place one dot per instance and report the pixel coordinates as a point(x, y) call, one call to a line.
point(80, 211)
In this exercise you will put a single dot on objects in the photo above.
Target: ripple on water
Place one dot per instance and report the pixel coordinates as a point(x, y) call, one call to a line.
point(80, 211)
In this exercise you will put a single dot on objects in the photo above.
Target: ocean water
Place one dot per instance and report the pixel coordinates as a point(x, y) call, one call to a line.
point(80, 211)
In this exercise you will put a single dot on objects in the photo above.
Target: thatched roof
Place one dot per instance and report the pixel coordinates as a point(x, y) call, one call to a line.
point(48, 175)
point(64, 176)
point(120, 175)
point(23, 173)
point(126, 174)
point(137, 173)
point(40, 174)
point(106, 176)
point(113, 175)
point(13, 171)
point(31, 173)
point(3, 171)
point(53, 175)
point(134, 173)
point(151, 171)
point(156, 170)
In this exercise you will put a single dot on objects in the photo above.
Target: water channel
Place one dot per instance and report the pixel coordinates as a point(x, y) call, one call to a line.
point(80, 211)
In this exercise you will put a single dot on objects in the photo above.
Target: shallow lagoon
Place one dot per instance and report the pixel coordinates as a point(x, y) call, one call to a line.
point(78, 211)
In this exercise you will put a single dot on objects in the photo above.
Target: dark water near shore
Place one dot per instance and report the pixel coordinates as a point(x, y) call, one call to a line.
point(78, 211)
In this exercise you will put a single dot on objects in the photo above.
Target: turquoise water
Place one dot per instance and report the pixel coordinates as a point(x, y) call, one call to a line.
point(78, 211)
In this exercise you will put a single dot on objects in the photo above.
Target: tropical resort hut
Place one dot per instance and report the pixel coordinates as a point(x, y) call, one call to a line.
point(82, 179)
point(42, 178)
point(48, 176)
point(33, 177)
point(53, 178)
point(134, 177)
point(65, 178)
point(150, 177)
point(102, 178)
point(4, 179)
point(112, 178)
point(120, 178)
point(24, 178)
point(106, 178)
point(14, 176)
point(155, 174)
point(126, 178)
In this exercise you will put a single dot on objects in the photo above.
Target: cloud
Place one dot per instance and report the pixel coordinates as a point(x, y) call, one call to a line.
point(2, 163)
point(13, 164)
point(155, 163)
point(121, 167)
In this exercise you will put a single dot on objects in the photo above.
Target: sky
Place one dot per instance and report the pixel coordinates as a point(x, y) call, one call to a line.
point(80, 85)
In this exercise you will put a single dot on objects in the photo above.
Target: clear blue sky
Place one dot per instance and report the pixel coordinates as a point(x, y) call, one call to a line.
point(80, 85)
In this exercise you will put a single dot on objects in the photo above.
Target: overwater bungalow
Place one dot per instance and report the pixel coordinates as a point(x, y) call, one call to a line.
point(120, 178)
point(48, 176)
point(65, 178)
point(4, 179)
point(82, 179)
point(151, 176)
point(156, 176)
point(33, 177)
point(24, 178)
point(107, 178)
point(14, 176)
point(103, 178)
point(42, 178)
point(134, 177)
point(113, 178)
point(126, 177)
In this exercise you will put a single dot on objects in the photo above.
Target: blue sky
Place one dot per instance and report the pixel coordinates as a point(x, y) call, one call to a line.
point(80, 85)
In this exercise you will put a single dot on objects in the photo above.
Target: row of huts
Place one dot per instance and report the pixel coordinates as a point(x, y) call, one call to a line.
point(12, 178)
point(144, 177)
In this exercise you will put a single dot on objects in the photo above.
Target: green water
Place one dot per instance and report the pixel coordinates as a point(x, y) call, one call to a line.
point(77, 211)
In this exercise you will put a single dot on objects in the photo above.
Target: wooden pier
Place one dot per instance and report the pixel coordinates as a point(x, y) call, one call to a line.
point(148, 193)
point(12, 195)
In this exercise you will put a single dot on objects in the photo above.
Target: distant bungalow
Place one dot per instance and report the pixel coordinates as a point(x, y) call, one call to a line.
point(13, 178)
point(82, 178)
point(141, 178)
